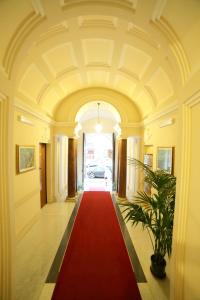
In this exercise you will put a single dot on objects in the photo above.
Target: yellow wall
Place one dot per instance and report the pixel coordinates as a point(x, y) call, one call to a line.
point(27, 185)
point(192, 259)
point(156, 136)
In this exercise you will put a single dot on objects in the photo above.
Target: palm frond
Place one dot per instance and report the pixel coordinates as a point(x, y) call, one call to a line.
point(155, 212)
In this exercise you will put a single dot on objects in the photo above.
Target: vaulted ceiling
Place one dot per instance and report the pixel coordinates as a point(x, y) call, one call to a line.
point(144, 49)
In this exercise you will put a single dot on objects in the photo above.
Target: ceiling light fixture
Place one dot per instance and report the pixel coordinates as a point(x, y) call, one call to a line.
point(98, 126)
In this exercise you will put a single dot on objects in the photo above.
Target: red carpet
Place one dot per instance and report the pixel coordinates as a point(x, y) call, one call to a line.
point(96, 265)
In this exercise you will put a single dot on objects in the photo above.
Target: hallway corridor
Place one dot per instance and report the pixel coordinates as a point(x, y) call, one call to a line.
point(126, 72)
point(34, 259)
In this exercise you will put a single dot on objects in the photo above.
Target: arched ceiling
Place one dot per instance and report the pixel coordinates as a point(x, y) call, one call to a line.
point(135, 47)
point(92, 110)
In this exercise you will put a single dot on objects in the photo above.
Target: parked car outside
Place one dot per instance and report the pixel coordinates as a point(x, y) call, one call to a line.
point(96, 171)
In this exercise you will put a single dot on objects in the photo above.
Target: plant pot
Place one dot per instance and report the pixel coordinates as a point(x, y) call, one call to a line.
point(158, 266)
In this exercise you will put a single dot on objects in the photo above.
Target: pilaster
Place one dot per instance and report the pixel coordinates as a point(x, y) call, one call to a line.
point(6, 225)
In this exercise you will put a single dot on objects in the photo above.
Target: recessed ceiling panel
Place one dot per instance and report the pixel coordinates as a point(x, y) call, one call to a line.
point(32, 83)
point(97, 51)
point(98, 77)
point(160, 85)
point(60, 59)
point(134, 61)
point(125, 85)
point(71, 83)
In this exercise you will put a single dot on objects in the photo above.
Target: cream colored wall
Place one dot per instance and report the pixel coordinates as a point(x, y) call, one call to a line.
point(192, 242)
point(156, 136)
point(27, 185)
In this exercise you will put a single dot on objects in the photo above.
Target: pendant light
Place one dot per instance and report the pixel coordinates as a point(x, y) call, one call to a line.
point(98, 126)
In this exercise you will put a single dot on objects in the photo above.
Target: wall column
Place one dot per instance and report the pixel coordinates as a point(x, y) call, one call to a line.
point(61, 167)
point(72, 165)
point(122, 154)
point(6, 209)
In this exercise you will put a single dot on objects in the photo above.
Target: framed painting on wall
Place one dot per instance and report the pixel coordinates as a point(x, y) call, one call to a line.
point(148, 160)
point(165, 159)
point(25, 158)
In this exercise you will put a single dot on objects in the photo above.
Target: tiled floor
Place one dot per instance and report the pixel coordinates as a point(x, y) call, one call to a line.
point(36, 252)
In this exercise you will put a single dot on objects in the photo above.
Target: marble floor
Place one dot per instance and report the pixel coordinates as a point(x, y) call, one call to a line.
point(36, 252)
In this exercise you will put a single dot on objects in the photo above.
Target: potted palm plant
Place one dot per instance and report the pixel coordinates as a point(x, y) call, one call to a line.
point(155, 212)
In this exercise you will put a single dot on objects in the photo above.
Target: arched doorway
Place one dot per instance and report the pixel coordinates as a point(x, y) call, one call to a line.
point(96, 149)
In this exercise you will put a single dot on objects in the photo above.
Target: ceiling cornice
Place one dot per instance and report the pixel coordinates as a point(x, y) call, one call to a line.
point(160, 114)
point(28, 109)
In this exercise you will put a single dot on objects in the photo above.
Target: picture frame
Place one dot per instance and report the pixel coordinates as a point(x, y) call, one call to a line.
point(148, 160)
point(25, 158)
point(165, 159)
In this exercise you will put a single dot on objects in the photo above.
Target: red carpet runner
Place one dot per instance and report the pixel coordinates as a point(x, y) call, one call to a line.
point(96, 265)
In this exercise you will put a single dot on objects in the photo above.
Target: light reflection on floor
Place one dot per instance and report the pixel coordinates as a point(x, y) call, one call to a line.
point(97, 184)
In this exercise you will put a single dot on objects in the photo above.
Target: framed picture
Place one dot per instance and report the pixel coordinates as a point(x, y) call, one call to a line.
point(25, 158)
point(165, 159)
point(148, 160)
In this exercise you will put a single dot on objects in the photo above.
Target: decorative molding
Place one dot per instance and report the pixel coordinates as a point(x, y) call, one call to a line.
point(183, 195)
point(151, 94)
point(31, 21)
point(176, 47)
point(98, 64)
point(26, 108)
point(3, 72)
point(42, 92)
point(142, 35)
point(54, 30)
point(194, 99)
point(64, 124)
point(6, 236)
point(122, 3)
point(160, 114)
point(85, 22)
point(129, 73)
point(39, 9)
point(181, 212)
point(158, 10)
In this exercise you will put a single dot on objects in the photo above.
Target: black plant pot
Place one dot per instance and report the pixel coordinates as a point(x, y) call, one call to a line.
point(158, 266)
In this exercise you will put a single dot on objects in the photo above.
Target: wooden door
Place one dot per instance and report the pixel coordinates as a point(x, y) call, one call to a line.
point(43, 186)
point(113, 162)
